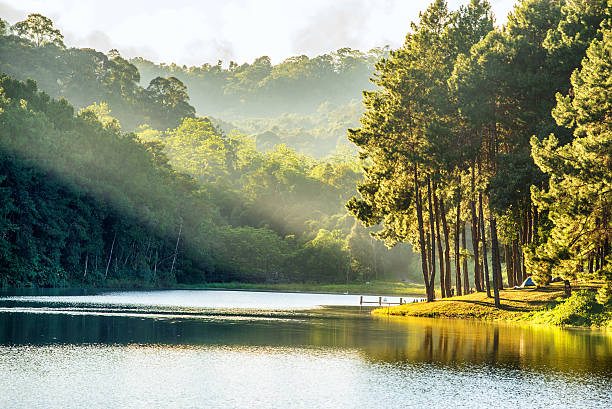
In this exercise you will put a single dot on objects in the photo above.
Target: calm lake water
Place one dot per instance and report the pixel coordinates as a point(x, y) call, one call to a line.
point(234, 349)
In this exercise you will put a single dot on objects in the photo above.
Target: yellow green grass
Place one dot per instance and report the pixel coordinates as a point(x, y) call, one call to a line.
point(544, 305)
point(374, 288)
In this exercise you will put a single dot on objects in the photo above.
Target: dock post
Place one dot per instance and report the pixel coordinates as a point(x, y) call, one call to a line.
point(361, 300)
point(400, 300)
point(379, 300)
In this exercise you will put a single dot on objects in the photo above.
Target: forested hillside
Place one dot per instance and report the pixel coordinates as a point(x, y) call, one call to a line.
point(297, 85)
point(482, 147)
point(33, 49)
point(89, 201)
point(305, 103)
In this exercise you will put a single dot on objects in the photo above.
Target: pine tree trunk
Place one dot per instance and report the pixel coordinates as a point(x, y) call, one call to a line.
point(447, 277)
point(475, 230)
point(433, 235)
point(495, 258)
point(457, 257)
point(528, 223)
point(439, 240)
point(516, 263)
point(475, 247)
point(534, 232)
point(497, 261)
point(524, 242)
point(483, 236)
point(421, 228)
point(466, 277)
point(428, 243)
point(509, 267)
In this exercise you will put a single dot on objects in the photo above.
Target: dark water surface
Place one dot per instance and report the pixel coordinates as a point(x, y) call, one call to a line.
point(233, 349)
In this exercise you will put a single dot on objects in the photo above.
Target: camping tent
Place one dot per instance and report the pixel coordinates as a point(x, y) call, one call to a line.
point(528, 283)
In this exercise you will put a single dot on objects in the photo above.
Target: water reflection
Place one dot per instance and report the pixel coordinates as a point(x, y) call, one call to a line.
point(186, 354)
point(380, 339)
point(457, 342)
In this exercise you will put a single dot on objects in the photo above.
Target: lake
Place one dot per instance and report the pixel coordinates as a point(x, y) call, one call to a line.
point(239, 349)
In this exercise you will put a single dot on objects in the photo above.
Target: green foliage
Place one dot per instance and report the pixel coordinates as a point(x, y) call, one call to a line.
point(39, 30)
point(4, 27)
point(75, 188)
point(85, 203)
point(279, 192)
point(297, 85)
point(580, 309)
point(305, 103)
point(580, 188)
point(86, 76)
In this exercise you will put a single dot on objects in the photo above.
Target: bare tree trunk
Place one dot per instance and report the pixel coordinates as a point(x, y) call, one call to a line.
point(176, 248)
point(129, 254)
point(86, 262)
point(483, 235)
point(466, 277)
point(155, 265)
point(110, 256)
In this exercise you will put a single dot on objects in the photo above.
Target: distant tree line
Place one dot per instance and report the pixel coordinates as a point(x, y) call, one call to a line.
point(297, 85)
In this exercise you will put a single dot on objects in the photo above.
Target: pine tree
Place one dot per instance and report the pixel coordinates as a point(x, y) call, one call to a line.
point(579, 194)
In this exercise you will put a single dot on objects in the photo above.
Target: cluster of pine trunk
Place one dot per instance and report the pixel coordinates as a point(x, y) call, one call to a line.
point(435, 235)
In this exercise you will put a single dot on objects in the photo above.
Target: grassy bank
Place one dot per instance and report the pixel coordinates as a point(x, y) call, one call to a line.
point(545, 305)
point(393, 288)
point(374, 288)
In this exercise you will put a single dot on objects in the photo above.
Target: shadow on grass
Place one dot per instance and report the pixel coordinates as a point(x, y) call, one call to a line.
point(507, 304)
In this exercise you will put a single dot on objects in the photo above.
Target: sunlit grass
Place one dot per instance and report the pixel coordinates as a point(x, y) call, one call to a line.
point(374, 288)
point(545, 305)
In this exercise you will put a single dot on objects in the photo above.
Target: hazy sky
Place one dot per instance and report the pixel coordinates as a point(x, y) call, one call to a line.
point(193, 32)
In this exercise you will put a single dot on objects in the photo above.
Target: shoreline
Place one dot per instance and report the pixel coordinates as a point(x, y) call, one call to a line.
point(376, 288)
point(547, 305)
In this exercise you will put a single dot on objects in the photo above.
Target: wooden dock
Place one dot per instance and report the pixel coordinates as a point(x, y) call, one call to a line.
point(383, 301)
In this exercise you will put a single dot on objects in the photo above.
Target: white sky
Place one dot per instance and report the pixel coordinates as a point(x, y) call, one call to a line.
point(193, 32)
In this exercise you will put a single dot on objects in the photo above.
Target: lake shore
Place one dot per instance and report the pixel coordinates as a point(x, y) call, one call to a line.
point(374, 288)
point(379, 288)
point(543, 305)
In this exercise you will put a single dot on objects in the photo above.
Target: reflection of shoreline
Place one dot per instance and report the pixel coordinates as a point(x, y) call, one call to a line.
point(440, 342)
point(455, 341)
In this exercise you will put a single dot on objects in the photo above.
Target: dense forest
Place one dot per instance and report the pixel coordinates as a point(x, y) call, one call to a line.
point(117, 184)
point(459, 136)
point(305, 103)
point(480, 147)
